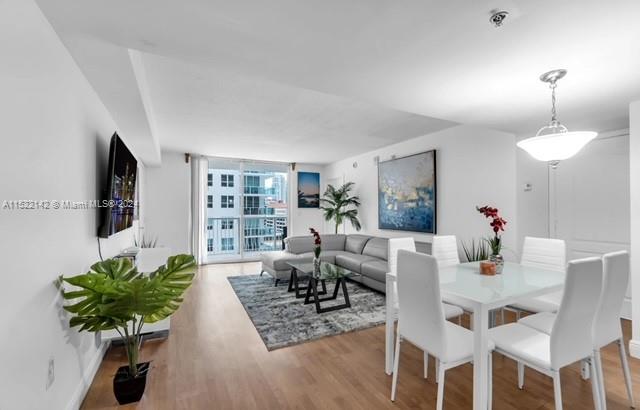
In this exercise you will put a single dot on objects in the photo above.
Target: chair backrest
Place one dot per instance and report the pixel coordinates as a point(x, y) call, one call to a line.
point(420, 317)
point(571, 335)
point(393, 246)
point(544, 253)
point(606, 325)
point(445, 249)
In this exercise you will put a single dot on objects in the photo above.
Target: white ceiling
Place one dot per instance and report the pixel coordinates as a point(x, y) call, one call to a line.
point(216, 112)
point(437, 59)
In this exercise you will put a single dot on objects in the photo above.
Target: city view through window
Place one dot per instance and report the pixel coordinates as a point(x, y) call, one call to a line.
point(246, 209)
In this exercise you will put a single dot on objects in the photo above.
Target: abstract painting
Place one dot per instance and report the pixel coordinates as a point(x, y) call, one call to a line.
point(308, 190)
point(407, 193)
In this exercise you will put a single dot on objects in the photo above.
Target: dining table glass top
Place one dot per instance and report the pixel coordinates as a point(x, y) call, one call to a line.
point(516, 281)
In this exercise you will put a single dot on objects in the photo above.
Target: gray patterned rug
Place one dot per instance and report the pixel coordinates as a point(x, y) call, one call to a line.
point(282, 320)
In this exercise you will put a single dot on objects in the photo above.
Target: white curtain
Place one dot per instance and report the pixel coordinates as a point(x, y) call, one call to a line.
point(199, 170)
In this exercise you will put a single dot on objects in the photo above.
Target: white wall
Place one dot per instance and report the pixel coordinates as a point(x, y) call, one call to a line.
point(475, 166)
point(54, 145)
point(167, 197)
point(634, 165)
point(304, 218)
point(533, 205)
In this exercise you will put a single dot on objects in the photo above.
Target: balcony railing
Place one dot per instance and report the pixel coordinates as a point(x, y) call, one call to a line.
point(259, 211)
point(258, 190)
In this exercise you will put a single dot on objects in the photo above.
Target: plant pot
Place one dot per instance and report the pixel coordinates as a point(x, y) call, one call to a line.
point(316, 266)
point(499, 261)
point(129, 389)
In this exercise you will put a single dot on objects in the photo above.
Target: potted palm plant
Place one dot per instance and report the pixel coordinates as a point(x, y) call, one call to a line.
point(339, 205)
point(113, 295)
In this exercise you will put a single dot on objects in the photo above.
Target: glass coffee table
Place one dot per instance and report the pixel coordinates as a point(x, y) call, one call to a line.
point(328, 272)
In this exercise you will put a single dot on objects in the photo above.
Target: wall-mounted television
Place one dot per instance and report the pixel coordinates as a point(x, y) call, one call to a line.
point(121, 185)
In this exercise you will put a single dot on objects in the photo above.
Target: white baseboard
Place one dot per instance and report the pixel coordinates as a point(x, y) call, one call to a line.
point(87, 378)
point(634, 348)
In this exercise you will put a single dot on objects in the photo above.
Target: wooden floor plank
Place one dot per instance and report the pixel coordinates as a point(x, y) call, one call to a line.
point(215, 359)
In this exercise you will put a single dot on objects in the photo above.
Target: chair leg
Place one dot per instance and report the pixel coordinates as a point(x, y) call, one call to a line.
point(440, 399)
point(517, 315)
point(490, 384)
point(595, 383)
point(437, 370)
point(557, 390)
point(502, 316)
point(276, 282)
point(261, 272)
point(426, 364)
point(625, 369)
point(396, 364)
point(600, 376)
point(520, 375)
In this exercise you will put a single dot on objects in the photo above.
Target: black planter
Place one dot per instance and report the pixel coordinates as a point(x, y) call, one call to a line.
point(129, 389)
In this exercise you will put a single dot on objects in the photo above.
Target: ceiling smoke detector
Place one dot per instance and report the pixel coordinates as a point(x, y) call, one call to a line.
point(498, 17)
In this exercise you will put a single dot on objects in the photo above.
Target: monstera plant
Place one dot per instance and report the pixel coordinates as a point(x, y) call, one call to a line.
point(113, 295)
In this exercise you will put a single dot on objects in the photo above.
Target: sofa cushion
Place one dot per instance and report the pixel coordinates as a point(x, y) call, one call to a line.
point(299, 244)
point(356, 243)
point(352, 261)
point(376, 270)
point(333, 242)
point(376, 247)
point(330, 256)
point(278, 260)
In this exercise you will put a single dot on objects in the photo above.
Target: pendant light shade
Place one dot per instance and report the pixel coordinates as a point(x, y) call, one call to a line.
point(553, 142)
point(557, 147)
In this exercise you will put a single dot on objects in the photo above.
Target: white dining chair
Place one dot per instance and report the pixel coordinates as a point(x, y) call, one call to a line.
point(570, 338)
point(450, 311)
point(543, 253)
point(421, 319)
point(606, 325)
point(445, 249)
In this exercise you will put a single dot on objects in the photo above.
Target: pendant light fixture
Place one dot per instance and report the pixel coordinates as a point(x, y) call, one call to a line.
point(554, 142)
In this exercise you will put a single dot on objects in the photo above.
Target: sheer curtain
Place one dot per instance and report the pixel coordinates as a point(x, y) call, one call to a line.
point(199, 169)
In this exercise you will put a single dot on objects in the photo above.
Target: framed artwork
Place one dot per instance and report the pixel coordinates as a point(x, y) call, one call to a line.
point(407, 193)
point(308, 190)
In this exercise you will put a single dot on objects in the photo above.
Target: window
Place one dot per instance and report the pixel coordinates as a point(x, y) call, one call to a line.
point(210, 179)
point(251, 205)
point(210, 224)
point(227, 224)
point(209, 244)
point(226, 201)
point(209, 201)
point(227, 244)
point(227, 180)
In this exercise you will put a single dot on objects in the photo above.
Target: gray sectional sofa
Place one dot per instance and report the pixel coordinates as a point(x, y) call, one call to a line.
point(364, 254)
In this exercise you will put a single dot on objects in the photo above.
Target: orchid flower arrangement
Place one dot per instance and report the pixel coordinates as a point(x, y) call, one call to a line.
point(317, 242)
point(497, 225)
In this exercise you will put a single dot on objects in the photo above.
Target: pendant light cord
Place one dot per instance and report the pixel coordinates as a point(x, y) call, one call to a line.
point(554, 115)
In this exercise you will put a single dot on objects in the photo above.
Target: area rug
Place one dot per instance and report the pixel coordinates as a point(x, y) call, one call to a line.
point(282, 320)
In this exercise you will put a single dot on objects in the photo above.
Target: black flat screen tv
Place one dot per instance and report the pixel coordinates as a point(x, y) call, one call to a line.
point(119, 203)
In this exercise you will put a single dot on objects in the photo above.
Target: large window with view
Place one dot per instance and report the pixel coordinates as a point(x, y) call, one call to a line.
point(250, 212)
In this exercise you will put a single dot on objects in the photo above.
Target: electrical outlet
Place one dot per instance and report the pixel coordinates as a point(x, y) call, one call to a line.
point(51, 372)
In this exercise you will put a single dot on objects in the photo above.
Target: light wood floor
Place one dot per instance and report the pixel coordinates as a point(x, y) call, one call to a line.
point(215, 359)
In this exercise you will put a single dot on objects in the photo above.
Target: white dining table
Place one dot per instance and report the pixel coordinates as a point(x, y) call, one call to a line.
point(463, 285)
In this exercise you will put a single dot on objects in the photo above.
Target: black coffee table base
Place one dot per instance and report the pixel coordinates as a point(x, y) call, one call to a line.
point(294, 285)
point(313, 295)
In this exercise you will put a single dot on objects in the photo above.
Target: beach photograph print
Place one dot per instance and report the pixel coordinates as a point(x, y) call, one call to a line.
point(308, 190)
